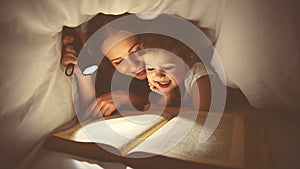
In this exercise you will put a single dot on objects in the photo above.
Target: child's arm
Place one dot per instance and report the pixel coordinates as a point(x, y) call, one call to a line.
point(201, 94)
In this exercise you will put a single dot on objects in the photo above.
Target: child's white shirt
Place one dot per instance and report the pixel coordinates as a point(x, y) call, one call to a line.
point(197, 71)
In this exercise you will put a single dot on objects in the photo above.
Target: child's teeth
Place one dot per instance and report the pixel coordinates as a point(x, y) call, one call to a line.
point(164, 83)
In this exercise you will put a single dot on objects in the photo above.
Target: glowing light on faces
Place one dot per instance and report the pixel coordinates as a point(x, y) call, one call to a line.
point(164, 69)
point(124, 55)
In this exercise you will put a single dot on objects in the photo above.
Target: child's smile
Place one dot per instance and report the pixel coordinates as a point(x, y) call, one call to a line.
point(164, 84)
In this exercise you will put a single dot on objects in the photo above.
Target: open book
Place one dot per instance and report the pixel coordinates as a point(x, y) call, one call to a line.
point(163, 141)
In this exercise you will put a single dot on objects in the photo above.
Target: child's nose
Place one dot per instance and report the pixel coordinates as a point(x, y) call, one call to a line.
point(160, 73)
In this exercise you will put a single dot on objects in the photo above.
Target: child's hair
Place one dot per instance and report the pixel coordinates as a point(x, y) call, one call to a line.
point(151, 40)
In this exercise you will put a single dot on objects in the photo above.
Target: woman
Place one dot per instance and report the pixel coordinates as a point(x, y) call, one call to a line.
point(122, 57)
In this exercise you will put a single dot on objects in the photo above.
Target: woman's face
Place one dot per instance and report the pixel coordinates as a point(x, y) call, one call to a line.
point(126, 59)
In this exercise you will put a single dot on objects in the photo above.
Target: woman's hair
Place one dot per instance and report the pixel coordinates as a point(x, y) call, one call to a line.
point(110, 34)
point(99, 21)
point(93, 25)
point(151, 40)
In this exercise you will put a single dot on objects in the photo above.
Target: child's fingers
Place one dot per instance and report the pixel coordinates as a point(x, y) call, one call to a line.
point(68, 40)
point(156, 90)
point(150, 84)
point(147, 106)
point(152, 88)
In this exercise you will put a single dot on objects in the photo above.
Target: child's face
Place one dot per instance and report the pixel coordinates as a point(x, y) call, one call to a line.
point(125, 58)
point(165, 71)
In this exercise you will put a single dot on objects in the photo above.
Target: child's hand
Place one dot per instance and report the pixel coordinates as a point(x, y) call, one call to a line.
point(155, 89)
point(167, 98)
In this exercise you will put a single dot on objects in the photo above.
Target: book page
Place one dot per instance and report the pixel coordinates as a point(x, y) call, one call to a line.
point(223, 148)
point(116, 132)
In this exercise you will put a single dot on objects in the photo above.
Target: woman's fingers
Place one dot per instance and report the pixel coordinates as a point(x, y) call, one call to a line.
point(107, 107)
point(68, 59)
point(69, 56)
point(70, 48)
point(109, 111)
point(102, 106)
point(115, 98)
point(69, 51)
point(68, 40)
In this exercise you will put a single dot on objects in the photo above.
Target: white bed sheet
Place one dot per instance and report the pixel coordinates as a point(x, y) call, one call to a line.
point(257, 44)
point(55, 160)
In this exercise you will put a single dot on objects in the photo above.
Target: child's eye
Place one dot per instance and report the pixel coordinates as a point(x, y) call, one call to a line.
point(138, 52)
point(150, 69)
point(168, 67)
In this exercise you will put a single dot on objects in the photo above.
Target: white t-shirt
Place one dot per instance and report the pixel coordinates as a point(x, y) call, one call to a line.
point(198, 70)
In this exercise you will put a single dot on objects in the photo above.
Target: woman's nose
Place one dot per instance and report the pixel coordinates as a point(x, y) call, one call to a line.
point(135, 58)
point(130, 64)
point(134, 62)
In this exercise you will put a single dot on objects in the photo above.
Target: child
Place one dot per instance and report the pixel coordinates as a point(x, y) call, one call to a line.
point(175, 73)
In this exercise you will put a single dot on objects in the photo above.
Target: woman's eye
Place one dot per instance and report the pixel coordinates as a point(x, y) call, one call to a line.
point(118, 62)
point(150, 69)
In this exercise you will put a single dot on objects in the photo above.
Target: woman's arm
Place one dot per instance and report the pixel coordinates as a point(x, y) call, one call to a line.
point(85, 83)
point(107, 101)
point(86, 88)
